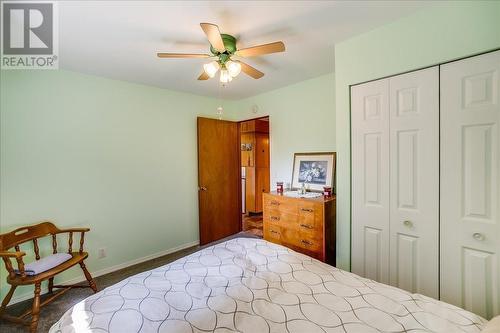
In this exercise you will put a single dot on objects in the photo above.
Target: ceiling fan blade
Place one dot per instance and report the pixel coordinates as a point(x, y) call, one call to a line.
point(249, 70)
point(213, 35)
point(203, 76)
point(182, 55)
point(261, 49)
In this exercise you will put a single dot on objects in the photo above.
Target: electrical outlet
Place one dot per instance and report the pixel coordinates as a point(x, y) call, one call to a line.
point(101, 253)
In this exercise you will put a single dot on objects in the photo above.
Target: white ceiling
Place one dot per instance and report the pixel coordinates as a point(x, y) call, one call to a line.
point(119, 39)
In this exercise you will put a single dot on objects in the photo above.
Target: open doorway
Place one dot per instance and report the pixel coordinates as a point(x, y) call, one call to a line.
point(255, 173)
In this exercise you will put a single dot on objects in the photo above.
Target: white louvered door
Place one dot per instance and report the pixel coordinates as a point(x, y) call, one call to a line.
point(370, 186)
point(414, 181)
point(470, 184)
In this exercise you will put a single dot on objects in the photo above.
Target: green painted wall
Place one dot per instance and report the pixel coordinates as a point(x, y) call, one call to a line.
point(436, 34)
point(115, 156)
point(302, 119)
point(110, 154)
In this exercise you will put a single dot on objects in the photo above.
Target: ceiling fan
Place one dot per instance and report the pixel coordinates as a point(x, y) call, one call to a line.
point(223, 48)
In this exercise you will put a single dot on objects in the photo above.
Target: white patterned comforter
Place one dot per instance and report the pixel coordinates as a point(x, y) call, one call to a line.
point(250, 285)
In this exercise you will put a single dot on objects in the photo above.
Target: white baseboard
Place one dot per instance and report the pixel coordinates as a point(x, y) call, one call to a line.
point(20, 298)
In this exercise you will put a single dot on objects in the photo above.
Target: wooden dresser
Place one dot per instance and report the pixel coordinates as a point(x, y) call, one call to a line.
point(304, 225)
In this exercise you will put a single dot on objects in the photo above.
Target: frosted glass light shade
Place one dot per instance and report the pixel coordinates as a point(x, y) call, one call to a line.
point(234, 67)
point(211, 68)
point(225, 77)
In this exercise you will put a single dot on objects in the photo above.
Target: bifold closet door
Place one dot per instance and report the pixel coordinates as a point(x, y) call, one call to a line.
point(414, 181)
point(395, 181)
point(470, 184)
point(370, 180)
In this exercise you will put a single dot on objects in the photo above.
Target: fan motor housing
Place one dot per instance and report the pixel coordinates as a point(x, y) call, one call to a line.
point(229, 43)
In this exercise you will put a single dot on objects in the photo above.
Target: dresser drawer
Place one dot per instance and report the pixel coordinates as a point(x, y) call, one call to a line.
point(310, 218)
point(303, 240)
point(272, 233)
point(276, 216)
point(280, 203)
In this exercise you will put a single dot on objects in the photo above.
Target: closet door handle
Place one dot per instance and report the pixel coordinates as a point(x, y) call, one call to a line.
point(478, 236)
point(408, 223)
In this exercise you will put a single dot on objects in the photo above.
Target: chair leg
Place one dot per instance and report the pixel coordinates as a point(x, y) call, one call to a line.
point(36, 308)
point(88, 277)
point(51, 285)
point(6, 299)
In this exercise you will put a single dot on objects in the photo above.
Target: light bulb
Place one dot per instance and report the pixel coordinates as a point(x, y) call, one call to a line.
point(225, 77)
point(211, 68)
point(220, 111)
point(234, 67)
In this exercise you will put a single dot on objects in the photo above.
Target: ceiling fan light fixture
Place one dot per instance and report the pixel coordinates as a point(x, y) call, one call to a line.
point(233, 67)
point(211, 68)
point(222, 48)
point(225, 77)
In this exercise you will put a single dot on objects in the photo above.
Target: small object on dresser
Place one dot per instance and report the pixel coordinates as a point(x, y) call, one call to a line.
point(327, 191)
point(302, 189)
point(279, 187)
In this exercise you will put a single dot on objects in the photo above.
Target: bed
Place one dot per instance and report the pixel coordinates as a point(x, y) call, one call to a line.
point(251, 285)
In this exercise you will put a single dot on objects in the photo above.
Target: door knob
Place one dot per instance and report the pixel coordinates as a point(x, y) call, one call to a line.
point(202, 188)
point(408, 223)
point(478, 236)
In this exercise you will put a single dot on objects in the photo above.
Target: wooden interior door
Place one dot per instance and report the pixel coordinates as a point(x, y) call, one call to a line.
point(218, 179)
point(470, 184)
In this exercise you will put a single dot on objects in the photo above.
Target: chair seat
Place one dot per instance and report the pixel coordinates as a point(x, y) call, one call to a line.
point(76, 257)
point(45, 263)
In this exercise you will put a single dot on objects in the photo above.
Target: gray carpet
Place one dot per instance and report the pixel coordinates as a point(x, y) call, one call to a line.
point(51, 313)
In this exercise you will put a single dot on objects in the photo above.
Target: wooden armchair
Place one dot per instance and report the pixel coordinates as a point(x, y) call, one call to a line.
point(19, 277)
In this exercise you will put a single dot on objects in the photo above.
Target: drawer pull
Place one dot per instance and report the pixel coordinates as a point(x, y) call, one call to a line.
point(307, 226)
point(306, 242)
point(275, 203)
point(275, 218)
point(309, 210)
point(274, 232)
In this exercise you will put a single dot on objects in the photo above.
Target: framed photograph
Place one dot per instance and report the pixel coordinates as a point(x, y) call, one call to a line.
point(314, 169)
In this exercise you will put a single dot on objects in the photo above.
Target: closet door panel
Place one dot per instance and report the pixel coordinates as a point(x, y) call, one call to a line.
point(370, 188)
point(414, 181)
point(470, 184)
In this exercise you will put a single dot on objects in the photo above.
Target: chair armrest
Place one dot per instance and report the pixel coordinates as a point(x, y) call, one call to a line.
point(8, 254)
